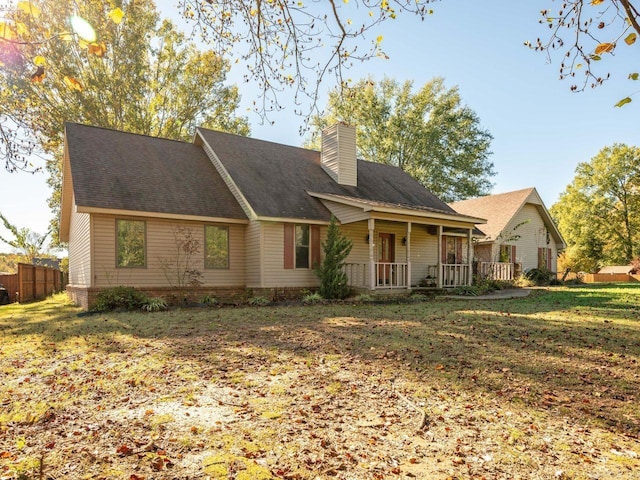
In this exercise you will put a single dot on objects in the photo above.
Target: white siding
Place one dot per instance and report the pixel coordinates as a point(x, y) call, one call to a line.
point(533, 235)
point(160, 251)
point(253, 261)
point(79, 248)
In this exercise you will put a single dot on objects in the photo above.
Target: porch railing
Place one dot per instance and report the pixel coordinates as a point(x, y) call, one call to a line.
point(455, 275)
point(387, 275)
point(391, 275)
point(357, 274)
point(496, 270)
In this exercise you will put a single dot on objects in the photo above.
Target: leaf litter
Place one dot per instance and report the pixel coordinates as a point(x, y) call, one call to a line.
point(347, 392)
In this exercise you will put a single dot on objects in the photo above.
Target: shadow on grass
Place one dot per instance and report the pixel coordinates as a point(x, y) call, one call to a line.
point(573, 352)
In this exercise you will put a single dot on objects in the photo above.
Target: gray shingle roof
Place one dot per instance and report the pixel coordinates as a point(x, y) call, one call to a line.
point(119, 170)
point(275, 179)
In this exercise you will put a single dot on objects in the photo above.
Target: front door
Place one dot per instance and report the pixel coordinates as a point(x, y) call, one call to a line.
point(386, 256)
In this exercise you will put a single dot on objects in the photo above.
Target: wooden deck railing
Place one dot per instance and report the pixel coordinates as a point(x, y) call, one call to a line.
point(496, 270)
point(455, 275)
point(388, 275)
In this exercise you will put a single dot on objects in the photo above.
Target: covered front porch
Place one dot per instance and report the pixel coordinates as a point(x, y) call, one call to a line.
point(397, 247)
point(398, 261)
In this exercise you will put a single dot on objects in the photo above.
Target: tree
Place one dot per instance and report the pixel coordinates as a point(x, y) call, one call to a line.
point(25, 241)
point(333, 279)
point(428, 134)
point(138, 74)
point(599, 212)
point(586, 31)
point(292, 45)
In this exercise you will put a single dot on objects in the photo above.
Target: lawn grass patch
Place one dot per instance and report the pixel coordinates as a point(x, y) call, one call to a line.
point(514, 388)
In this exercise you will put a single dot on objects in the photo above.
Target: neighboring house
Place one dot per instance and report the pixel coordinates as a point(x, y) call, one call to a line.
point(519, 233)
point(258, 211)
point(617, 270)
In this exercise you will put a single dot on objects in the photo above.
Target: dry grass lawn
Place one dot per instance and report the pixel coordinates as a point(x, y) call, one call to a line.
point(543, 387)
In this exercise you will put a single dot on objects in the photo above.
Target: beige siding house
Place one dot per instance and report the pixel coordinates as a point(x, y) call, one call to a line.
point(226, 213)
point(519, 234)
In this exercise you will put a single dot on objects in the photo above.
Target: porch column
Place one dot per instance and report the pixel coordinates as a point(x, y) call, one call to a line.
point(439, 274)
point(470, 257)
point(372, 253)
point(409, 255)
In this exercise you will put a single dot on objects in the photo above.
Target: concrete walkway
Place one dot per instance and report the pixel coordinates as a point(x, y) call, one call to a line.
point(497, 295)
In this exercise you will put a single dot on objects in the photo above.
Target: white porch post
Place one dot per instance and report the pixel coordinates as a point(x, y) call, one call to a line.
point(439, 274)
point(409, 255)
point(372, 262)
point(470, 257)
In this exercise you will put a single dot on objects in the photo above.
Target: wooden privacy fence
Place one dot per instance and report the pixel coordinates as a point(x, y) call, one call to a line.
point(33, 282)
point(602, 277)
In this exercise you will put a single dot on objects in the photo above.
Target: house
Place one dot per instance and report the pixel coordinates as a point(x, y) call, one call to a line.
point(252, 213)
point(617, 270)
point(519, 234)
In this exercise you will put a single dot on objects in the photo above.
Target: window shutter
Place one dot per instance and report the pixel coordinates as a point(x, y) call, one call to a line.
point(549, 259)
point(540, 258)
point(513, 254)
point(315, 246)
point(459, 250)
point(289, 245)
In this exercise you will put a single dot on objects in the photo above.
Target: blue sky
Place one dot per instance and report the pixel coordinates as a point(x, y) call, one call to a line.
point(541, 130)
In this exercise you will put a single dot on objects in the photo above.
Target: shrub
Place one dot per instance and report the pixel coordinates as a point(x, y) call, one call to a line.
point(209, 300)
point(155, 304)
point(259, 301)
point(364, 298)
point(312, 299)
point(119, 298)
point(539, 276)
point(418, 297)
point(522, 281)
point(333, 279)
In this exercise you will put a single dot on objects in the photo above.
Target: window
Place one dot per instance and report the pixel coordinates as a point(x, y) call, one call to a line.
point(302, 246)
point(544, 258)
point(216, 248)
point(505, 254)
point(130, 243)
point(451, 250)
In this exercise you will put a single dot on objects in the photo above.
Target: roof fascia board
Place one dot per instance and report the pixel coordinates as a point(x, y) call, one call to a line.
point(399, 210)
point(394, 217)
point(224, 174)
point(66, 198)
point(292, 220)
point(160, 215)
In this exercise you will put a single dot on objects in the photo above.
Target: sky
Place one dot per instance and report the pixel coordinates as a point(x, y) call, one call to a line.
point(541, 130)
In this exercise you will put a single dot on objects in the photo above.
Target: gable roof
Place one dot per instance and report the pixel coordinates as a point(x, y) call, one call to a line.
point(276, 179)
point(499, 209)
point(613, 269)
point(116, 170)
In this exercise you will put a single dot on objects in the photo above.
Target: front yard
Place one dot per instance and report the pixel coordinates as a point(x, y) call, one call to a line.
point(540, 387)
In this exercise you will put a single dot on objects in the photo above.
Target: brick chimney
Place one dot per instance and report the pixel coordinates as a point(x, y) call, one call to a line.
point(338, 155)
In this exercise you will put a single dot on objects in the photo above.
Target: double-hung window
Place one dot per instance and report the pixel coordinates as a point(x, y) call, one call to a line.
point(302, 246)
point(130, 243)
point(216, 240)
